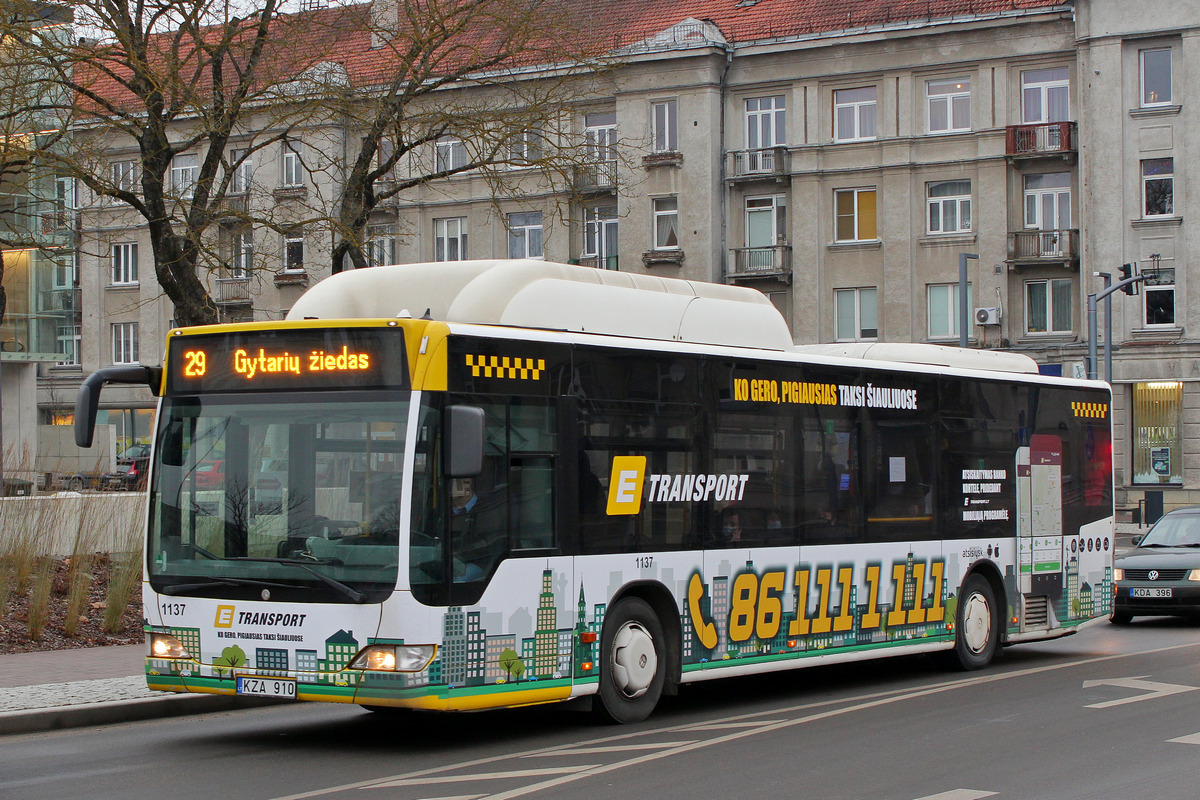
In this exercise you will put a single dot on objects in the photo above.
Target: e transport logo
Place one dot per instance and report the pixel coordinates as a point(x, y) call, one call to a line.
point(629, 484)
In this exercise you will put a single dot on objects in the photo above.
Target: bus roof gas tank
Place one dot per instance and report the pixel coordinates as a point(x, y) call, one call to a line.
point(524, 293)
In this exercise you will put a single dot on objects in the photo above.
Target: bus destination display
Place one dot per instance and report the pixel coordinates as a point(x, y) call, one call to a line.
point(350, 358)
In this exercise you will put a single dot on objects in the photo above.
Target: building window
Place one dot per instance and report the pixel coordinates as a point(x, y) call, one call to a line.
point(450, 239)
point(68, 338)
point(185, 168)
point(854, 114)
point(857, 314)
point(1158, 187)
point(125, 343)
point(125, 176)
point(944, 320)
point(665, 138)
point(241, 165)
point(524, 149)
point(64, 202)
point(766, 227)
point(293, 165)
point(600, 136)
point(949, 206)
point(1045, 95)
point(293, 252)
point(1048, 209)
point(600, 236)
point(1159, 292)
point(854, 212)
point(949, 105)
point(451, 154)
point(1048, 306)
point(766, 128)
point(666, 223)
point(241, 252)
point(1155, 71)
point(525, 234)
point(1157, 422)
point(124, 259)
point(380, 247)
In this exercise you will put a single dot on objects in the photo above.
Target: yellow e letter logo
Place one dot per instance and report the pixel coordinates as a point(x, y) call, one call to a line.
point(625, 485)
point(224, 617)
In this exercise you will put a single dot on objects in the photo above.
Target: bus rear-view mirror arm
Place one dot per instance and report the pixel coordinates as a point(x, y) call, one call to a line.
point(87, 402)
point(464, 441)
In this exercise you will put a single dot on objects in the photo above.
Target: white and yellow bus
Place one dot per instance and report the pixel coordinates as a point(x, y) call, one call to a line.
point(487, 484)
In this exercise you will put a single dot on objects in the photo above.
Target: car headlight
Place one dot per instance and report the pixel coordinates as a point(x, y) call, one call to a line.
point(394, 657)
point(1118, 574)
point(163, 645)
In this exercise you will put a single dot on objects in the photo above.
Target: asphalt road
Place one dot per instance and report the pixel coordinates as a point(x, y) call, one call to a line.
point(1108, 713)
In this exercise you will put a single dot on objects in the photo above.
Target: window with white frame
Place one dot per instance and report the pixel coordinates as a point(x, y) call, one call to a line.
point(450, 239)
point(68, 338)
point(854, 114)
point(1158, 291)
point(185, 168)
point(665, 126)
point(1045, 95)
point(1048, 305)
point(293, 251)
point(64, 202)
point(600, 236)
point(241, 251)
point(943, 310)
point(1158, 187)
point(451, 154)
point(292, 165)
point(525, 148)
point(856, 314)
point(949, 204)
point(124, 260)
point(854, 215)
point(766, 225)
point(380, 246)
point(948, 103)
point(125, 175)
point(124, 343)
point(525, 234)
point(600, 136)
point(666, 223)
point(1154, 68)
point(66, 272)
point(766, 128)
point(241, 165)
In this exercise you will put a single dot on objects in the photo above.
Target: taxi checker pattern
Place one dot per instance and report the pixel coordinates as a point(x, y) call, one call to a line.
point(510, 367)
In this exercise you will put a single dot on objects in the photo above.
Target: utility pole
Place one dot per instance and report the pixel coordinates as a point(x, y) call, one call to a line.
point(1128, 285)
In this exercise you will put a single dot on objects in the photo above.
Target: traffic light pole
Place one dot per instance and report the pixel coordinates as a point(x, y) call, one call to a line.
point(1093, 299)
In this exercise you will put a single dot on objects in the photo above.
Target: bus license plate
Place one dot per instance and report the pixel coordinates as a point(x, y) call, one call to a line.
point(1149, 592)
point(267, 687)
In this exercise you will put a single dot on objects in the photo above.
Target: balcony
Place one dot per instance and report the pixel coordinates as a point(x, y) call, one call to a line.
point(233, 291)
point(765, 163)
point(1041, 140)
point(58, 301)
point(234, 205)
point(598, 262)
point(1039, 247)
point(597, 177)
point(749, 263)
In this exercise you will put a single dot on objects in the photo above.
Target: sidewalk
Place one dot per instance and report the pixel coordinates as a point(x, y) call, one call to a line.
point(90, 686)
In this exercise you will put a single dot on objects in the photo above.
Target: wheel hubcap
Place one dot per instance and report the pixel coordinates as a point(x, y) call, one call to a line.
point(634, 660)
point(977, 623)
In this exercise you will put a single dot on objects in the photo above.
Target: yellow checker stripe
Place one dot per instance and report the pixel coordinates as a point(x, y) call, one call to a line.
point(518, 369)
point(1092, 410)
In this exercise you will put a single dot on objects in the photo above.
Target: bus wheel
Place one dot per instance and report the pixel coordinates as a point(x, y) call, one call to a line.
point(978, 633)
point(632, 669)
point(75, 484)
point(1120, 618)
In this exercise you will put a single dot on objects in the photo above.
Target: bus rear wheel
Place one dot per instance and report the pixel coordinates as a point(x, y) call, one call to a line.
point(978, 631)
point(632, 664)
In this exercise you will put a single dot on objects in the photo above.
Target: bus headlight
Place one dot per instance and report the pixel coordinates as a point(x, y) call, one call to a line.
point(1194, 575)
point(1118, 574)
point(395, 657)
point(163, 645)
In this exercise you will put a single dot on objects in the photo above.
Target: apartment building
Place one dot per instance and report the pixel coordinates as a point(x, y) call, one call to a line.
point(840, 161)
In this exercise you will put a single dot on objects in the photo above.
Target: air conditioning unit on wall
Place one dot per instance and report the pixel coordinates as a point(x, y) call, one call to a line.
point(987, 316)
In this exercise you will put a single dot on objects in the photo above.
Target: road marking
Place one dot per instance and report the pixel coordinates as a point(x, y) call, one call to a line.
point(959, 794)
point(1190, 739)
point(612, 748)
point(721, 726)
point(1152, 689)
point(484, 776)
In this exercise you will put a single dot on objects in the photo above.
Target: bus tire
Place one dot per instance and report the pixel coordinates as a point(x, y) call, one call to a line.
point(1120, 618)
point(977, 629)
point(632, 662)
point(75, 484)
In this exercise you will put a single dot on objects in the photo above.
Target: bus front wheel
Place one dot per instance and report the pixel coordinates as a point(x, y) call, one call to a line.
point(978, 632)
point(632, 665)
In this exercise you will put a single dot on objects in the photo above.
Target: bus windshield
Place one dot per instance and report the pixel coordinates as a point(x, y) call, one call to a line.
point(295, 500)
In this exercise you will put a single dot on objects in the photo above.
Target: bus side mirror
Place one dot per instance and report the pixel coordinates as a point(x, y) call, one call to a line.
point(464, 441)
point(87, 402)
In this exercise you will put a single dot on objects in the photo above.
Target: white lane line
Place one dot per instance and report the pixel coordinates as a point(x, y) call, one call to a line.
point(1193, 738)
point(1152, 690)
point(612, 748)
point(484, 776)
point(721, 726)
point(959, 794)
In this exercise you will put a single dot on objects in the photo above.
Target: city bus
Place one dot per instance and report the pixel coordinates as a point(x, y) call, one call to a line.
point(488, 484)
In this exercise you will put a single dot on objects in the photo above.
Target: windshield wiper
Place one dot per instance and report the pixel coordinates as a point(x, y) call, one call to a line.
point(353, 595)
point(181, 588)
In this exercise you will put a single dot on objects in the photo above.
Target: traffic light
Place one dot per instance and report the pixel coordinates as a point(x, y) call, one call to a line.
point(1126, 271)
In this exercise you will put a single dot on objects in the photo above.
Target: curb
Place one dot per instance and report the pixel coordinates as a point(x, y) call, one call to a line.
point(113, 711)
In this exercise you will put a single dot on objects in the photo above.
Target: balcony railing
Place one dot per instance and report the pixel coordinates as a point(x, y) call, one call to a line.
point(56, 301)
point(233, 291)
point(1048, 245)
point(598, 262)
point(764, 162)
point(761, 262)
point(1042, 139)
point(599, 176)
